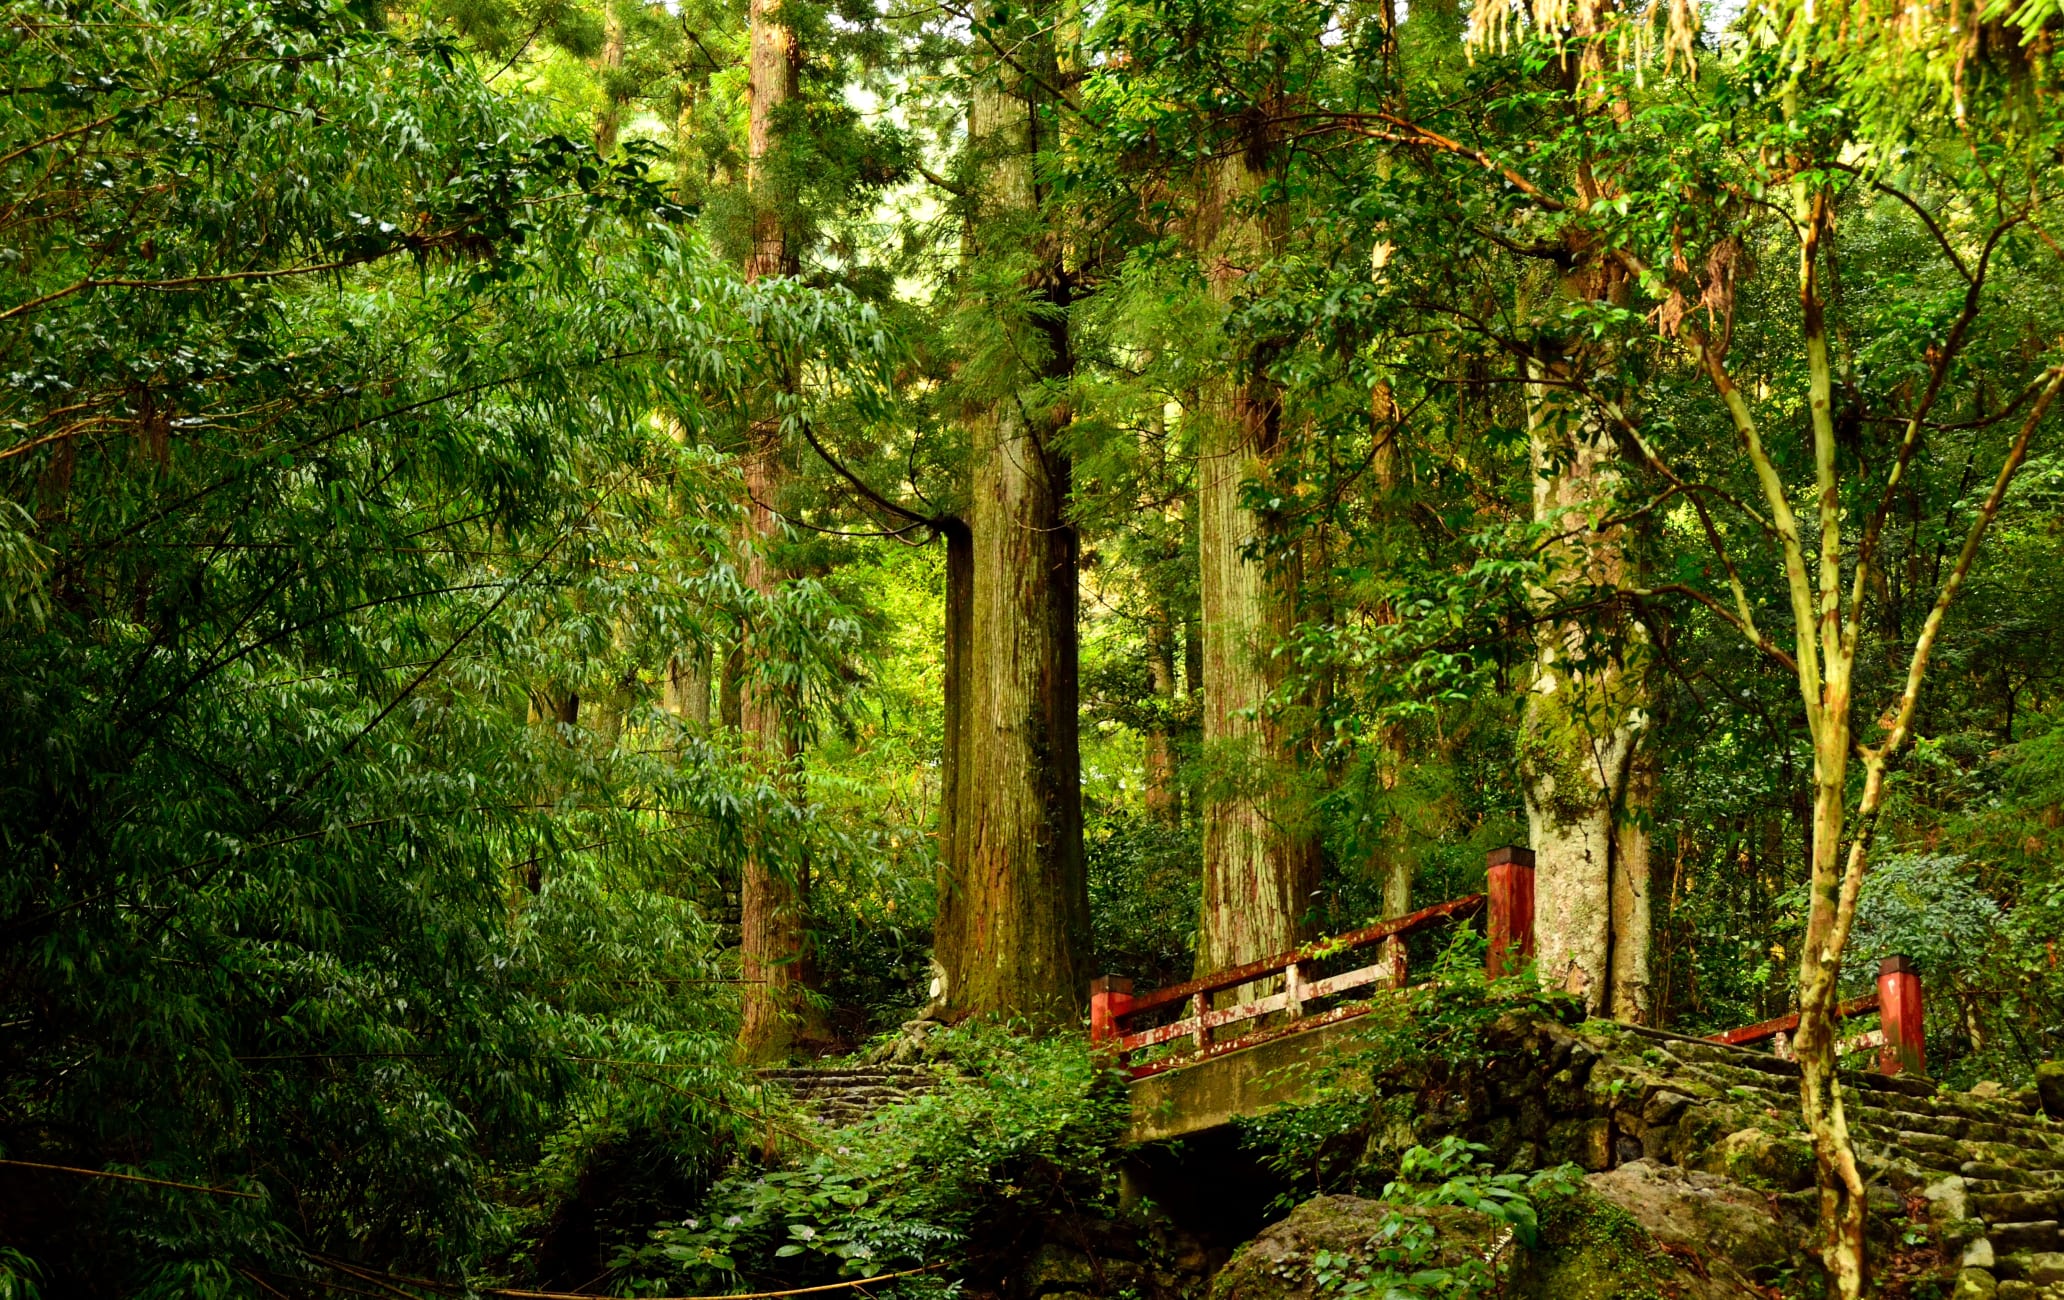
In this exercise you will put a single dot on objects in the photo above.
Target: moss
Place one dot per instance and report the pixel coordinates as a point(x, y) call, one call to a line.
point(1552, 752)
point(1591, 1250)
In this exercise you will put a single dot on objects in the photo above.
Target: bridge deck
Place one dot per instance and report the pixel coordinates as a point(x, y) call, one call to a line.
point(1217, 1090)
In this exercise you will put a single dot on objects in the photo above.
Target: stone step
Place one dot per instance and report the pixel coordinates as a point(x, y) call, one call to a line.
point(1982, 1176)
point(1955, 1127)
point(2039, 1235)
point(1957, 1153)
point(837, 1096)
point(2015, 1207)
point(1897, 1111)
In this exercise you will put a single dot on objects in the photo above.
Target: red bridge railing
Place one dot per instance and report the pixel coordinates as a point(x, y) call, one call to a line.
point(1509, 900)
point(1116, 1012)
point(1899, 1039)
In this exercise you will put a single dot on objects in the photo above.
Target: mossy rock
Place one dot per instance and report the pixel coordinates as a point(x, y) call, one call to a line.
point(1641, 1232)
point(1760, 1158)
point(1594, 1250)
point(1305, 1256)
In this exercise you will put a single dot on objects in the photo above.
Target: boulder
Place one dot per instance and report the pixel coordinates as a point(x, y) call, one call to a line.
point(1328, 1239)
point(1754, 1155)
point(2049, 1088)
point(1640, 1230)
point(1702, 1214)
point(1975, 1284)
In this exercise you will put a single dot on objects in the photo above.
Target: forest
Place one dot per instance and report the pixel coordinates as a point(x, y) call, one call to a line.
point(564, 561)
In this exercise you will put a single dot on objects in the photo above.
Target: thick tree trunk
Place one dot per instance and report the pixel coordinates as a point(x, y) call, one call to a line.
point(1260, 862)
point(1014, 905)
point(1582, 729)
point(1012, 932)
point(1019, 906)
point(774, 951)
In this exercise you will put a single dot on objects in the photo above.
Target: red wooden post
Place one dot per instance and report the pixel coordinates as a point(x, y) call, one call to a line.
point(1512, 910)
point(1899, 1017)
point(1109, 998)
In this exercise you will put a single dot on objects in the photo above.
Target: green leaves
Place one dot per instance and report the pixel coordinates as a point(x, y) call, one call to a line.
point(952, 1173)
point(347, 405)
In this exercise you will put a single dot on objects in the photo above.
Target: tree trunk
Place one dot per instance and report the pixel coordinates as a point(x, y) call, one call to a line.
point(948, 927)
point(608, 118)
point(1633, 925)
point(1583, 727)
point(1163, 796)
point(1163, 799)
point(687, 694)
point(773, 897)
point(1397, 864)
point(1014, 908)
point(1260, 862)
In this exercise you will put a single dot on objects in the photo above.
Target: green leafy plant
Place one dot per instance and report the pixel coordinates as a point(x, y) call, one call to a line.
point(1407, 1259)
point(1021, 1127)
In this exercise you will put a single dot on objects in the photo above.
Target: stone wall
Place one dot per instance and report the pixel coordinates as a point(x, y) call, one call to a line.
point(1979, 1176)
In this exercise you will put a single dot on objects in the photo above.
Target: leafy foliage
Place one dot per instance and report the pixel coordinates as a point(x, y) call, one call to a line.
point(957, 1174)
point(330, 384)
point(1401, 1261)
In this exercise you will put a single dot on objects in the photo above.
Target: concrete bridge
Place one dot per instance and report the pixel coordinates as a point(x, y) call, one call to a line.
point(1202, 1066)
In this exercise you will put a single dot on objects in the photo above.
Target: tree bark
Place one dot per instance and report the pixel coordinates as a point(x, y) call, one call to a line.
point(949, 925)
point(1163, 799)
point(773, 72)
point(687, 694)
point(1397, 865)
point(1260, 861)
point(1583, 725)
point(608, 118)
point(1014, 905)
point(1633, 925)
point(776, 967)
point(1163, 796)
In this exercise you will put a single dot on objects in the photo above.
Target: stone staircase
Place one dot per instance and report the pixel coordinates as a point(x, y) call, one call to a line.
point(1990, 1166)
point(838, 1095)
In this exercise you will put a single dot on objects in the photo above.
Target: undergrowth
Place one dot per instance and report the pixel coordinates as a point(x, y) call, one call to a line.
point(944, 1185)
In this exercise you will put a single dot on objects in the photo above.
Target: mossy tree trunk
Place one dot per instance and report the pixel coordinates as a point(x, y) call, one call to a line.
point(1585, 719)
point(1013, 928)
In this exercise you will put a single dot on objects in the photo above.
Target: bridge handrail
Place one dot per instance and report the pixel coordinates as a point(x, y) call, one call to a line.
point(1765, 1030)
point(1234, 976)
point(1510, 901)
point(1900, 1038)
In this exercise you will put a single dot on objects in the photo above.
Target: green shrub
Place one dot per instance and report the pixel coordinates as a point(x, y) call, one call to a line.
point(958, 1177)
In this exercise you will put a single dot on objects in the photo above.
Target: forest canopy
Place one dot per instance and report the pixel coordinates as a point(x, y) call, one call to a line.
point(555, 554)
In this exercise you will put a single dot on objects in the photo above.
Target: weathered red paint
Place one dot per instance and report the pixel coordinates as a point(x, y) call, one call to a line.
point(1899, 1014)
point(1110, 998)
point(1761, 1030)
point(1511, 872)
